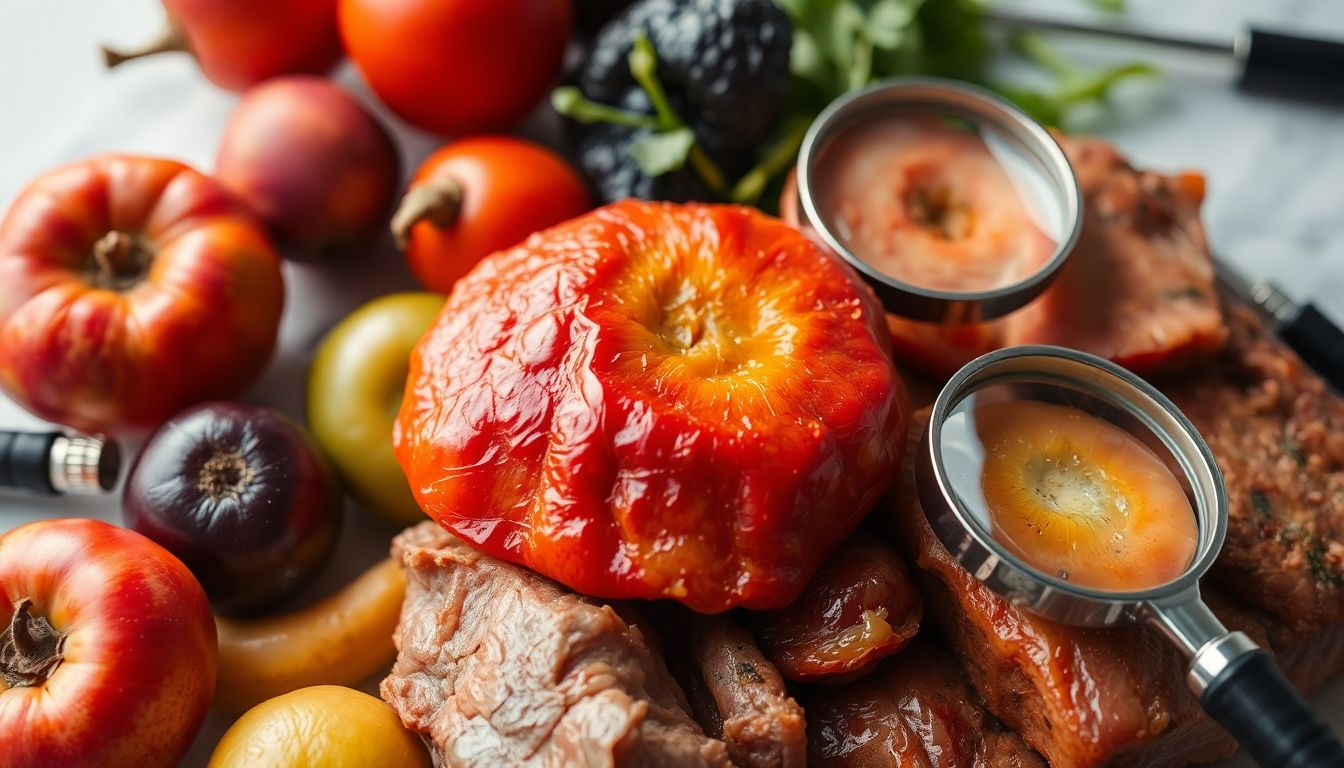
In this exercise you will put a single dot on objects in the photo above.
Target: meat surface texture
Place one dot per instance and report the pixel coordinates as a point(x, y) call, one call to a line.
point(1080, 697)
point(1278, 437)
point(915, 711)
point(499, 666)
point(739, 696)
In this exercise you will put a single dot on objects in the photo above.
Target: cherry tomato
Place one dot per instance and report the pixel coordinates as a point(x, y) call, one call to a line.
point(107, 651)
point(478, 196)
point(457, 66)
point(130, 288)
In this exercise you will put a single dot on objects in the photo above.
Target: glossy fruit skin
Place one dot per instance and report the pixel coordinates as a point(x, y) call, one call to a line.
point(510, 189)
point(312, 163)
point(199, 324)
point(240, 43)
point(139, 653)
point(652, 400)
point(243, 496)
point(321, 725)
point(355, 387)
point(457, 66)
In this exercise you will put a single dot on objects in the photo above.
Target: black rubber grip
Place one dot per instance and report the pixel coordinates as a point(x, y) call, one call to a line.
point(24, 458)
point(1262, 711)
point(1289, 65)
point(1319, 342)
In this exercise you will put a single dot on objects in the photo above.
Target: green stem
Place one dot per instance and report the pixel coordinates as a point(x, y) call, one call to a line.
point(1036, 48)
point(778, 156)
point(644, 66)
point(570, 102)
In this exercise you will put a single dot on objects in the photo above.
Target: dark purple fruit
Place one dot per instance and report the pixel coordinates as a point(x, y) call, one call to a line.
point(240, 494)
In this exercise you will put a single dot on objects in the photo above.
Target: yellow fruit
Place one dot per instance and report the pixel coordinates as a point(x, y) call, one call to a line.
point(340, 640)
point(325, 726)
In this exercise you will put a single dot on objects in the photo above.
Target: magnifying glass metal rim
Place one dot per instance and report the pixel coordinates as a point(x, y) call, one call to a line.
point(974, 547)
point(965, 100)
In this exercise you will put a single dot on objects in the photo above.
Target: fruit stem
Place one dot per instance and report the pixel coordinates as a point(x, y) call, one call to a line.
point(30, 648)
point(437, 200)
point(570, 102)
point(778, 156)
point(119, 261)
point(169, 40)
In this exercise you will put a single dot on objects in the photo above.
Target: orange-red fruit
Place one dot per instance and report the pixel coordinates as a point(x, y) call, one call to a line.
point(127, 677)
point(657, 401)
point(307, 158)
point(457, 66)
point(239, 43)
point(131, 287)
point(501, 190)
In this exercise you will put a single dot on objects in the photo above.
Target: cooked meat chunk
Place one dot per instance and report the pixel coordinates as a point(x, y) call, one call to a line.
point(736, 694)
point(499, 666)
point(1278, 436)
point(1139, 287)
point(1081, 697)
point(914, 711)
point(861, 607)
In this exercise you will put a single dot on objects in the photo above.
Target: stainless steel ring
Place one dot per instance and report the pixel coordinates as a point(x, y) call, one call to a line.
point(974, 104)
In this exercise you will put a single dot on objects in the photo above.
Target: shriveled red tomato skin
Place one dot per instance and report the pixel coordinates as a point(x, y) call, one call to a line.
point(656, 401)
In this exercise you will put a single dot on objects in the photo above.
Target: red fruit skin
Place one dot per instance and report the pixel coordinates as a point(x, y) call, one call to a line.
point(511, 188)
point(140, 649)
point(457, 66)
point(239, 43)
point(199, 325)
point(312, 163)
point(656, 401)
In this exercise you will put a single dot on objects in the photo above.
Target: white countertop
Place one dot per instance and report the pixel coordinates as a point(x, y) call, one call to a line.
point(1275, 205)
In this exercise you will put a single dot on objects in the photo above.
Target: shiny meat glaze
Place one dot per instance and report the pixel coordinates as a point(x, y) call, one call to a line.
point(861, 607)
point(915, 711)
point(736, 694)
point(1278, 436)
point(1081, 697)
point(498, 666)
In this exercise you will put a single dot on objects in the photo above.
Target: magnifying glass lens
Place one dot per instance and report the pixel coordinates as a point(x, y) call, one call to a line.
point(938, 199)
point(1076, 490)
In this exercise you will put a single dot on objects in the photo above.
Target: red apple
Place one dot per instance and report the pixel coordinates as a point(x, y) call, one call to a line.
point(107, 655)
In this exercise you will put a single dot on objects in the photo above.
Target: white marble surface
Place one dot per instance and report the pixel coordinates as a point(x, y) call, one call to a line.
point(1275, 169)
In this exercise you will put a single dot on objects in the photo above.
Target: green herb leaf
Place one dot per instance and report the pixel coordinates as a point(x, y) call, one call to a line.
point(659, 153)
point(889, 21)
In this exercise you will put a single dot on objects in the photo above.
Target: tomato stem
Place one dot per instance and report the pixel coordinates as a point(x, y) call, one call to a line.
point(437, 200)
point(30, 648)
point(118, 261)
point(169, 40)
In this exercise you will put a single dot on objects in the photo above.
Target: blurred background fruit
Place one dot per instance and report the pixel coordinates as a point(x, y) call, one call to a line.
point(107, 648)
point(243, 496)
point(130, 288)
point(239, 43)
point(325, 725)
point(312, 163)
point(481, 195)
point(457, 66)
point(354, 390)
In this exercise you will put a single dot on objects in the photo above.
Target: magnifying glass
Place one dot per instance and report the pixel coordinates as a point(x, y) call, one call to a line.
point(952, 203)
point(1078, 492)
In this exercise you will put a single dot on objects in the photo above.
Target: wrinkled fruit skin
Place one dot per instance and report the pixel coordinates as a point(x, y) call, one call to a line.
point(313, 164)
point(242, 496)
point(456, 67)
point(195, 320)
point(240, 43)
point(690, 402)
point(725, 67)
point(139, 652)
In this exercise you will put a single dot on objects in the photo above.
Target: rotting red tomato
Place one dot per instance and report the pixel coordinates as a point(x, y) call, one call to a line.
point(656, 401)
point(457, 66)
point(861, 607)
point(480, 195)
point(131, 287)
point(313, 163)
point(239, 43)
point(107, 656)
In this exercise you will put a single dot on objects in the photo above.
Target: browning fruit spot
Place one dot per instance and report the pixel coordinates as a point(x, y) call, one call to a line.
point(30, 648)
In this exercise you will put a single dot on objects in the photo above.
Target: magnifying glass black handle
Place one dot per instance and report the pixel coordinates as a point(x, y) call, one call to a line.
point(1318, 341)
point(54, 463)
point(1257, 705)
point(1292, 65)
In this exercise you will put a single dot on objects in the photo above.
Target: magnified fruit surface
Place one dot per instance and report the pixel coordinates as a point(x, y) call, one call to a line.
point(1081, 499)
point(652, 400)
